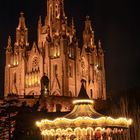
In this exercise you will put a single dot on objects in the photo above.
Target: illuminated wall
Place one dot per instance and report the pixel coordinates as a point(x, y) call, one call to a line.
point(56, 53)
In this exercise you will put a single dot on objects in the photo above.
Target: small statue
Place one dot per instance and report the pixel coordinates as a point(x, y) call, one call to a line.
point(44, 81)
point(9, 41)
point(44, 84)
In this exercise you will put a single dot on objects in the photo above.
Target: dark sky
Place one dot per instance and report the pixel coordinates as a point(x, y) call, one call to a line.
point(115, 24)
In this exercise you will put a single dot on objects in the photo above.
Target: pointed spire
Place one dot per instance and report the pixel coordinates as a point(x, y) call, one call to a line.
point(88, 35)
point(92, 39)
point(99, 44)
point(84, 104)
point(55, 11)
point(22, 21)
point(100, 50)
point(87, 17)
point(34, 47)
point(62, 13)
point(95, 49)
point(83, 92)
point(9, 41)
point(88, 24)
point(72, 23)
point(22, 33)
point(9, 46)
point(73, 26)
point(39, 20)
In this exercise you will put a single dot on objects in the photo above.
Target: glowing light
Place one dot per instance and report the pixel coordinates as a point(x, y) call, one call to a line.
point(78, 122)
point(99, 128)
point(81, 125)
point(83, 101)
point(77, 130)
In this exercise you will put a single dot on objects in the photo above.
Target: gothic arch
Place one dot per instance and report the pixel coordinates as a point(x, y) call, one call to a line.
point(32, 92)
point(70, 93)
point(56, 92)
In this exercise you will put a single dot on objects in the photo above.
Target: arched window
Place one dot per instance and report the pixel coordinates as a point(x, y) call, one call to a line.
point(70, 93)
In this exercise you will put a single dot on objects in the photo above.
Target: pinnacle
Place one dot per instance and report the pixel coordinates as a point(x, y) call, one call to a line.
point(83, 92)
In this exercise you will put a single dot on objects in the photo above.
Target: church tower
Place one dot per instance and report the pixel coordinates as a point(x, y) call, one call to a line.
point(56, 54)
point(92, 64)
point(58, 42)
point(15, 63)
point(22, 33)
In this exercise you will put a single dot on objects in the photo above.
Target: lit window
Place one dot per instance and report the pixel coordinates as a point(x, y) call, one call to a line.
point(71, 52)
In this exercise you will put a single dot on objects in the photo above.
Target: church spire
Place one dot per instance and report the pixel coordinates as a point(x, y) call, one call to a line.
point(21, 33)
point(88, 34)
point(100, 50)
point(73, 26)
point(39, 21)
point(21, 24)
point(83, 93)
point(55, 11)
point(9, 46)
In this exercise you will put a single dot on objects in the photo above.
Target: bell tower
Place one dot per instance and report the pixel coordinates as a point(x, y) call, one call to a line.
point(55, 10)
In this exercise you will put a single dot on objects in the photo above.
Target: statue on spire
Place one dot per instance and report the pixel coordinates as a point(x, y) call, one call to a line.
point(9, 41)
point(9, 46)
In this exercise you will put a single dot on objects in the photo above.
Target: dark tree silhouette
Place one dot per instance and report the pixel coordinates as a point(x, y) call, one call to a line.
point(8, 114)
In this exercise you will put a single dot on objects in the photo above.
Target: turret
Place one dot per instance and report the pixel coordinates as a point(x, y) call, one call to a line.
point(8, 51)
point(9, 46)
point(101, 67)
point(39, 31)
point(72, 32)
point(73, 27)
point(100, 50)
point(21, 33)
point(55, 11)
point(88, 34)
point(100, 57)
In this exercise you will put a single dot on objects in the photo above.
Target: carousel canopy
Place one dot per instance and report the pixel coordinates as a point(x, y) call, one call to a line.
point(83, 115)
point(83, 106)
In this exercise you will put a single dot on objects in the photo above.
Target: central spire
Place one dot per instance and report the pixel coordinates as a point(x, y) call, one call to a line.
point(55, 10)
point(21, 32)
point(83, 93)
point(22, 24)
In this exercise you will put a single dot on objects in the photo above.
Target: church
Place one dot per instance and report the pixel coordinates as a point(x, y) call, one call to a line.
point(57, 54)
point(56, 70)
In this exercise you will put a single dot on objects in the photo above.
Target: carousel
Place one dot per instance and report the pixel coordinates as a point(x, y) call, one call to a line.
point(84, 123)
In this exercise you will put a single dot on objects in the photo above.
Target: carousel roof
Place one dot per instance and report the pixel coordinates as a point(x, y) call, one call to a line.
point(83, 106)
point(83, 93)
point(83, 115)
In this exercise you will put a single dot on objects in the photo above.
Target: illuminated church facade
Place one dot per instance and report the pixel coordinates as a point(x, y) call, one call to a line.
point(57, 54)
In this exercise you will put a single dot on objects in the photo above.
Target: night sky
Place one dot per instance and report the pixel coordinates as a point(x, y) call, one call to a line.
point(116, 24)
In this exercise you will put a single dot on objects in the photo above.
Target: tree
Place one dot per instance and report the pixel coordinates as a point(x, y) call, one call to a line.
point(126, 104)
point(8, 112)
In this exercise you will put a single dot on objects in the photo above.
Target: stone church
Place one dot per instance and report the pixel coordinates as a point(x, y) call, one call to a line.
point(57, 54)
